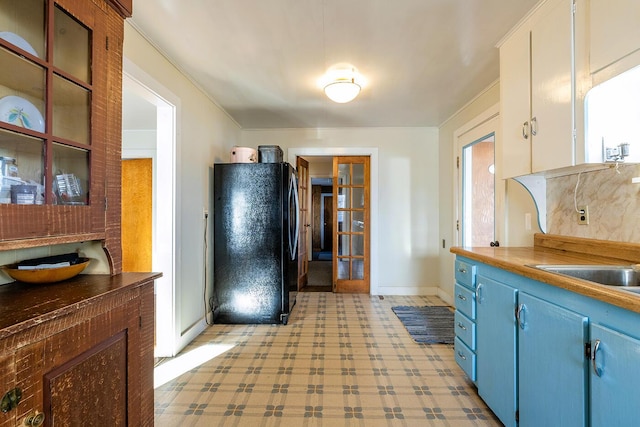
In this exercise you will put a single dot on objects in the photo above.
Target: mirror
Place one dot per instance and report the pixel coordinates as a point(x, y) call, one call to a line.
point(612, 117)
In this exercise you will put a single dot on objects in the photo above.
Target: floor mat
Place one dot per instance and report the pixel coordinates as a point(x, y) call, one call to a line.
point(429, 324)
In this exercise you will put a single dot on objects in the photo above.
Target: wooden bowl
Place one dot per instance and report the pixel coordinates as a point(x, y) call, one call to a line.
point(46, 275)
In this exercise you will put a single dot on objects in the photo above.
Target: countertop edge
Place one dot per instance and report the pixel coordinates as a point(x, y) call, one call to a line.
point(500, 258)
point(122, 282)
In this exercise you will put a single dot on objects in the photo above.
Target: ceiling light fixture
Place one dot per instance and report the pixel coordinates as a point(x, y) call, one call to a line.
point(342, 84)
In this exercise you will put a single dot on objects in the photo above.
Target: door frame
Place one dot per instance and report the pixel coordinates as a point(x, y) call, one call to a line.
point(372, 152)
point(165, 215)
point(484, 124)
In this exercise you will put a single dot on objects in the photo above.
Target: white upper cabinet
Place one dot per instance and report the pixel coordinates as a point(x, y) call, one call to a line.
point(537, 92)
point(551, 89)
point(614, 31)
point(515, 108)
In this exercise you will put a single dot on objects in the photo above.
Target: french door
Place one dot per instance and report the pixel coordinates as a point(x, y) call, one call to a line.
point(302, 167)
point(351, 224)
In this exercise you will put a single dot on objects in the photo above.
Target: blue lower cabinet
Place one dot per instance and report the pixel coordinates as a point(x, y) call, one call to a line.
point(465, 358)
point(552, 370)
point(496, 347)
point(614, 378)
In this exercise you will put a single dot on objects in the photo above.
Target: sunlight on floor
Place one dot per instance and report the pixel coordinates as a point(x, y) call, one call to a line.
point(177, 366)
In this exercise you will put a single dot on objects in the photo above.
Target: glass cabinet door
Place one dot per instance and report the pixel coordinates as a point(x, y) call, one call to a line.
point(45, 104)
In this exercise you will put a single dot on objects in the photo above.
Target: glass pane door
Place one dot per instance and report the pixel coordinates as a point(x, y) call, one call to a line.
point(351, 232)
point(478, 192)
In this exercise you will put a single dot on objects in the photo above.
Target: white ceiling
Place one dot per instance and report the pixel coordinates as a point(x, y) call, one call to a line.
point(260, 59)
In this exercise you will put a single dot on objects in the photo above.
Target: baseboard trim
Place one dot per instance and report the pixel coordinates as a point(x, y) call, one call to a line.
point(446, 297)
point(407, 290)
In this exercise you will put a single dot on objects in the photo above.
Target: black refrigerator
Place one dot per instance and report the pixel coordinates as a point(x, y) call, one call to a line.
point(255, 262)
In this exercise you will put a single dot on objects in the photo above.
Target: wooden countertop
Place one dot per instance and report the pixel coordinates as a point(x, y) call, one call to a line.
point(551, 249)
point(24, 305)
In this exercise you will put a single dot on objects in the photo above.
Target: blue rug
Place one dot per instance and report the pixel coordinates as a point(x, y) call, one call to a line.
point(429, 324)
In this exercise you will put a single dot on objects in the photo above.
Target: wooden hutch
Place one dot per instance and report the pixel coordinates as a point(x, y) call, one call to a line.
point(78, 352)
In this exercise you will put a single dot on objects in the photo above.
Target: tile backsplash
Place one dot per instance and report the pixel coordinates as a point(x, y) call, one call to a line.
point(613, 202)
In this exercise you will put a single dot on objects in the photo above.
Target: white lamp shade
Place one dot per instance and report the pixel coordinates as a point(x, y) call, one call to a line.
point(342, 91)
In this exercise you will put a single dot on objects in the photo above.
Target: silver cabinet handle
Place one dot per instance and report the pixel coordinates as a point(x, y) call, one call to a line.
point(462, 297)
point(479, 293)
point(594, 353)
point(461, 326)
point(462, 270)
point(534, 126)
point(525, 130)
point(462, 356)
point(520, 311)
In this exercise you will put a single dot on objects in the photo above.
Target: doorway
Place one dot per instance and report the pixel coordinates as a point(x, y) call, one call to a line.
point(149, 132)
point(478, 194)
point(320, 228)
point(312, 153)
point(330, 226)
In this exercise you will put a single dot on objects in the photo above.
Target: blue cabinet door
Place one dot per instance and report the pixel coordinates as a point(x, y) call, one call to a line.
point(552, 369)
point(614, 389)
point(496, 347)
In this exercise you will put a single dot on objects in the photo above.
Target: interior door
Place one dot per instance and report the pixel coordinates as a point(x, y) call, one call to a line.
point(351, 224)
point(303, 186)
point(137, 215)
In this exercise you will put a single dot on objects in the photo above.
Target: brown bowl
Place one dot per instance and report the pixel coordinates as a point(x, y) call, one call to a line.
point(46, 275)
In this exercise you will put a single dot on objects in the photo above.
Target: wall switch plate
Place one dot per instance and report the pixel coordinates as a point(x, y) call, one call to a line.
point(583, 215)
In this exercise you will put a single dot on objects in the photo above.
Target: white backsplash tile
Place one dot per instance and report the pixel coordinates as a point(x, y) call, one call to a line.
point(613, 201)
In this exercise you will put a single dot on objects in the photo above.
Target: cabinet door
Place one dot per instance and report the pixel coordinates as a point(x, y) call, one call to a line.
point(551, 357)
point(551, 88)
point(612, 389)
point(72, 400)
point(496, 348)
point(615, 32)
point(515, 106)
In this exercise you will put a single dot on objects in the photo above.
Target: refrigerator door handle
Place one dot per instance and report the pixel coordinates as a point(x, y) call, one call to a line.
point(293, 242)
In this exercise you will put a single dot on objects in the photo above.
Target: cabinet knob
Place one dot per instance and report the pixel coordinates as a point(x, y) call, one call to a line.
point(461, 326)
point(462, 356)
point(462, 297)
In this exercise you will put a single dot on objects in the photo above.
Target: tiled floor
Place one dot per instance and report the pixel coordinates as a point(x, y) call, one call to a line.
point(343, 359)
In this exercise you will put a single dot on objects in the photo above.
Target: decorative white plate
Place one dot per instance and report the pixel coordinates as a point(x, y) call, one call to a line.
point(20, 112)
point(16, 40)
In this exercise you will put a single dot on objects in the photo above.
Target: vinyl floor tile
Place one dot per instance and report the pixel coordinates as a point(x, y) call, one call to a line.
point(342, 360)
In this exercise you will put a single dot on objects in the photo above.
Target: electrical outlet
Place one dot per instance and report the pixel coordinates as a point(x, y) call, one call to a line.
point(583, 215)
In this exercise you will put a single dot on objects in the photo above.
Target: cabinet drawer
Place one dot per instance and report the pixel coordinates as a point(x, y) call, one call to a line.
point(466, 274)
point(465, 330)
point(465, 301)
point(466, 359)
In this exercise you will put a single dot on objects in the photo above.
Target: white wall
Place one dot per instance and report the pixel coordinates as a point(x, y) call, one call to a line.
point(205, 134)
point(408, 176)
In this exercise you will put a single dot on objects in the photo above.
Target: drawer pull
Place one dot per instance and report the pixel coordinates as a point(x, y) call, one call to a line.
point(461, 326)
point(462, 297)
point(462, 270)
point(462, 356)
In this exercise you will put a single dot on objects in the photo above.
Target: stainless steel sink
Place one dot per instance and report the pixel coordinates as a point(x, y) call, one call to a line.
point(612, 275)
